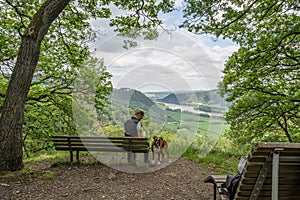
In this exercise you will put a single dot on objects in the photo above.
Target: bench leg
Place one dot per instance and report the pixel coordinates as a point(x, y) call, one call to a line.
point(71, 156)
point(77, 155)
point(129, 157)
point(215, 191)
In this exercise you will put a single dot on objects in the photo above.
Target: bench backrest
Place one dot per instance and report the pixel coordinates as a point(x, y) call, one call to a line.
point(101, 143)
point(272, 172)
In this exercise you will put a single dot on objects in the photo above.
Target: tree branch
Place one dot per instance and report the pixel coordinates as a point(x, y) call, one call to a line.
point(239, 17)
point(21, 14)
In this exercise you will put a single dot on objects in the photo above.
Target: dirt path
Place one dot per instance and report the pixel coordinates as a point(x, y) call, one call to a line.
point(183, 179)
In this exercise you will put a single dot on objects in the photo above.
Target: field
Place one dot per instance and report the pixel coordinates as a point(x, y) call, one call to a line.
point(199, 125)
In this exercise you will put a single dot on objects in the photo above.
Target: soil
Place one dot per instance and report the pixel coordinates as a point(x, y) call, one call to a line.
point(180, 179)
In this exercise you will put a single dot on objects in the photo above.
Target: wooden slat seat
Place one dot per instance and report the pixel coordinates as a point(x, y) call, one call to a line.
point(100, 144)
point(272, 172)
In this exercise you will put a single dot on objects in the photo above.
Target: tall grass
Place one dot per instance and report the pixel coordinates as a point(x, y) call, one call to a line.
point(223, 158)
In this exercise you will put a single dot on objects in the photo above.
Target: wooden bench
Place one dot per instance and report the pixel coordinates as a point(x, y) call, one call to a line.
point(217, 180)
point(100, 144)
point(271, 172)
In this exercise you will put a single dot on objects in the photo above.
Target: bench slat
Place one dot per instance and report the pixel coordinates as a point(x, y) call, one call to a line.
point(269, 187)
point(269, 193)
point(281, 174)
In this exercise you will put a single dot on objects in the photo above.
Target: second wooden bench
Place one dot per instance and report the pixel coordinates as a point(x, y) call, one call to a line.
point(271, 172)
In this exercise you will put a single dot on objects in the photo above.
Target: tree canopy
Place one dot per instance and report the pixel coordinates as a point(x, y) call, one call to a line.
point(44, 44)
point(262, 78)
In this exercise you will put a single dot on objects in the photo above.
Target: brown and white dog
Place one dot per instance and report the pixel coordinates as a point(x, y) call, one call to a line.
point(159, 145)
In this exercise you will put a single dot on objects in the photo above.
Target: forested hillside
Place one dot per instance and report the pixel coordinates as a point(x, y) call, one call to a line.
point(132, 98)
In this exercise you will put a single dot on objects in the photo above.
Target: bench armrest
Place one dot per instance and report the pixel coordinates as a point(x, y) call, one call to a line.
point(216, 180)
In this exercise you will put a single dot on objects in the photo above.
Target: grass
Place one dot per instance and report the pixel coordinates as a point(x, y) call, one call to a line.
point(27, 172)
point(52, 156)
point(216, 160)
point(48, 175)
point(55, 158)
point(221, 162)
point(8, 174)
point(40, 157)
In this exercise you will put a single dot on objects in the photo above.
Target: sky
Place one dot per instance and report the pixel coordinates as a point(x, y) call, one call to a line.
point(175, 61)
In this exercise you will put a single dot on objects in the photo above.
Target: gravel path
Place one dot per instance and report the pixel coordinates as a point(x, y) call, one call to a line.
point(182, 179)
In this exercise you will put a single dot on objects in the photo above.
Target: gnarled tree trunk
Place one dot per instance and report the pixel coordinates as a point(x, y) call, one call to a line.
point(12, 116)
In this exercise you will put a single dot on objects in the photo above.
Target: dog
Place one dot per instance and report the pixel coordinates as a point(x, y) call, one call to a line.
point(159, 145)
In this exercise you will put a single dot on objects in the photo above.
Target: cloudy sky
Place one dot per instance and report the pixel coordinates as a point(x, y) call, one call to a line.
point(174, 61)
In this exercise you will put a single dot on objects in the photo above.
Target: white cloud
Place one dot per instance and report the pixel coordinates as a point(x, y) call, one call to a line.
point(177, 61)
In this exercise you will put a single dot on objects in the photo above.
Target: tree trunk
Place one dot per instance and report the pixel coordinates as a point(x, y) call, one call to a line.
point(12, 116)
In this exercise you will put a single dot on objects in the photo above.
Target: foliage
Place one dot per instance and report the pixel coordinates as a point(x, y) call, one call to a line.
point(63, 55)
point(111, 130)
point(262, 77)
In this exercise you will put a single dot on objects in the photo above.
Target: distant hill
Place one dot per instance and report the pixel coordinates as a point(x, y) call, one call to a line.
point(210, 97)
point(131, 98)
point(123, 101)
point(156, 95)
point(174, 98)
